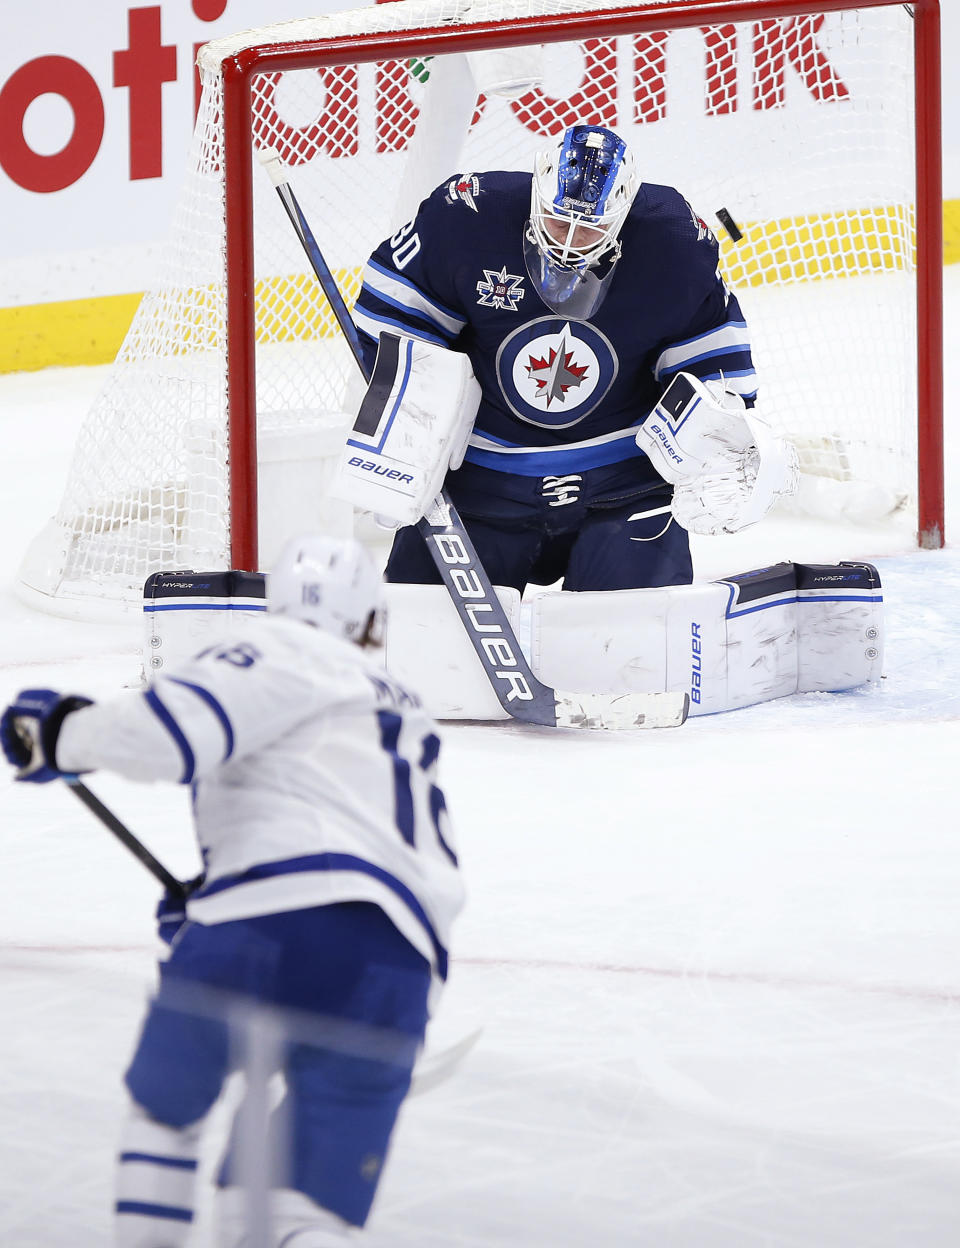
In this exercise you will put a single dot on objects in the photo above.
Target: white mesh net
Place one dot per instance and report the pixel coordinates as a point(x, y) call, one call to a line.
point(800, 128)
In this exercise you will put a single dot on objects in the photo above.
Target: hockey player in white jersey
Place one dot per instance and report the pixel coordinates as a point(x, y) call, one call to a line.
point(329, 890)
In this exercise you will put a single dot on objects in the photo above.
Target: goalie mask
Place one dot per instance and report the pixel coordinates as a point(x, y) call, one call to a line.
point(332, 584)
point(581, 194)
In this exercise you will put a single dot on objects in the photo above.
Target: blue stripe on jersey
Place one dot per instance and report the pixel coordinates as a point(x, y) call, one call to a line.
point(422, 306)
point(730, 339)
point(710, 333)
point(684, 365)
point(371, 324)
point(214, 706)
point(171, 725)
point(726, 373)
point(733, 380)
point(333, 862)
point(544, 462)
point(409, 316)
point(170, 1213)
point(174, 1163)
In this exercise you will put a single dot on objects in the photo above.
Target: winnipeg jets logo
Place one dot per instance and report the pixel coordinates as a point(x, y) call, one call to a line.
point(553, 373)
point(500, 290)
point(466, 187)
point(557, 373)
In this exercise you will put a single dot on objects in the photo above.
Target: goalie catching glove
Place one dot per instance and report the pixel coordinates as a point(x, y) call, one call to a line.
point(726, 464)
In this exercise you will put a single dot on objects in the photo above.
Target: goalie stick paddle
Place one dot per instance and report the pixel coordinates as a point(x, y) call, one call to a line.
point(521, 694)
point(123, 834)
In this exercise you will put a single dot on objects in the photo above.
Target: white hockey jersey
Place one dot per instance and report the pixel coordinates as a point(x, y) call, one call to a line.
point(313, 774)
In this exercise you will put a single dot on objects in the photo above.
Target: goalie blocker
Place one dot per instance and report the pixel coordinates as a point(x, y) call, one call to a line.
point(764, 634)
point(413, 425)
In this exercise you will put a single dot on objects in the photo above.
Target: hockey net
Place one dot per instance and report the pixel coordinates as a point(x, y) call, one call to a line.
point(791, 126)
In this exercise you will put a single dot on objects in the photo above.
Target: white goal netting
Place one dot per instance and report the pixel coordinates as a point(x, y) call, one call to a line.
point(799, 129)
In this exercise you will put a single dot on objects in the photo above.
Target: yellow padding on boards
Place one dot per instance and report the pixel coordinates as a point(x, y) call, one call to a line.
point(292, 309)
point(841, 244)
point(951, 231)
point(77, 331)
point(796, 249)
point(90, 331)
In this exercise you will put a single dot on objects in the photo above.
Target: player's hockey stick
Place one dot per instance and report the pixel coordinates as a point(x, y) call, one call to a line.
point(123, 834)
point(435, 1068)
point(521, 694)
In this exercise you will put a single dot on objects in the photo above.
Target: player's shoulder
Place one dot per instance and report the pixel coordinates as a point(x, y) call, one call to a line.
point(326, 658)
point(665, 208)
point(272, 640)
point(308, 644)
point(475, 195)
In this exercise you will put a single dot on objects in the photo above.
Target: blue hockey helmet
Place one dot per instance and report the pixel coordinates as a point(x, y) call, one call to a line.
point(581, 193)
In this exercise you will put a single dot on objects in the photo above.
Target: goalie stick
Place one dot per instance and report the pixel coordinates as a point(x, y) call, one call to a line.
point(123, 834)
point(521, 694)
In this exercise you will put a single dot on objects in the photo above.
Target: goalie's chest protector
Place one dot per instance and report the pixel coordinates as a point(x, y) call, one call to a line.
point(547, 379)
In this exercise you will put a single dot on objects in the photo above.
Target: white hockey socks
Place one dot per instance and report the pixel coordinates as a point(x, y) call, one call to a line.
point(155, 1182)
point(295, 1221)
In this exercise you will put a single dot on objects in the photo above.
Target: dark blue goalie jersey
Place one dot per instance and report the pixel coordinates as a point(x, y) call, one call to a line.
point(559, 395)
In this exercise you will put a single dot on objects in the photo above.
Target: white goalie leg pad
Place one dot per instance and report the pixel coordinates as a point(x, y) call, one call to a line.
point(155, 1183)
point(183, 612)
point(413, 424)
point(428, 647)
point(761, 635)
point(839, 626)
point(295, 1221)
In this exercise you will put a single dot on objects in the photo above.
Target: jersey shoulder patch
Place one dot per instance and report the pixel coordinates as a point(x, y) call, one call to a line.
point(670, 226)
point(463, 188)
point(474, 190)
point(703, 230)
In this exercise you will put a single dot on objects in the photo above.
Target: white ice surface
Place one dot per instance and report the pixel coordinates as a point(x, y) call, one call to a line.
point(716, 968)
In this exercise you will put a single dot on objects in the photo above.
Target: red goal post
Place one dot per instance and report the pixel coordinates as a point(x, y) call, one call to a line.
point(752, 106)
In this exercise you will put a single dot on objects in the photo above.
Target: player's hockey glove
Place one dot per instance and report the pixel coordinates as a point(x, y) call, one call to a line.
point(172, 909)
point(29, 728)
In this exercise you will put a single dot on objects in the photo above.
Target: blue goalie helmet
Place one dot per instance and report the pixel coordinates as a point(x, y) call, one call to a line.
point(581, 194)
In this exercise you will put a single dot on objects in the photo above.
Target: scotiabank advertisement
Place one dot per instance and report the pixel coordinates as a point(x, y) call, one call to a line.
point(97, 103)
